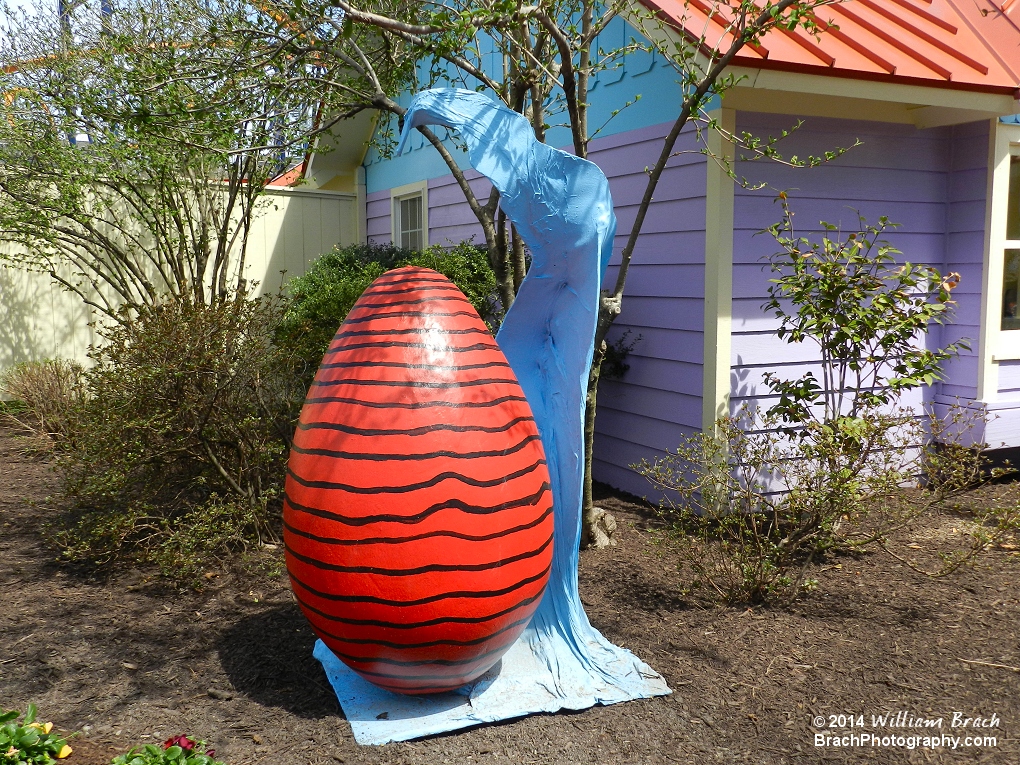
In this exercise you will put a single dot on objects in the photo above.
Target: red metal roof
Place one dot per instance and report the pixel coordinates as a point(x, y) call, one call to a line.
point(967, 44)
point(289, 177)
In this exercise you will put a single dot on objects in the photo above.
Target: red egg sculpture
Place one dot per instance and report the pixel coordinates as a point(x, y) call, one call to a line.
point(418, 514)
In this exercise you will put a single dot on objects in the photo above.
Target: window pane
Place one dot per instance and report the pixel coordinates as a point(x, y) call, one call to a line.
point(1013, 201)
point(410, 223)
point(1010, 284)
point(414, 214)
point(411, 240)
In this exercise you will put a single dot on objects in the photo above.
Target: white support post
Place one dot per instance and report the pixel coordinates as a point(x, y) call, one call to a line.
point(719, 194)
point(361, 189)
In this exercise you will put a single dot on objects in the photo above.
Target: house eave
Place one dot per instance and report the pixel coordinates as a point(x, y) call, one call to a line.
point(749, 62)
point(338, 153)
point(832, 94)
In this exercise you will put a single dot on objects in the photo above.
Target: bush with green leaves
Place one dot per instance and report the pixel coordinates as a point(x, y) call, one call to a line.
point(28, 742)
point(826, 468)
point(864, 310)
point(177, 436)
point(321, 298)
point(176, 453)
point(42, 393)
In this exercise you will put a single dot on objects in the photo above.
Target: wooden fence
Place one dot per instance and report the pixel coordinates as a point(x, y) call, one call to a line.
point(39, 320)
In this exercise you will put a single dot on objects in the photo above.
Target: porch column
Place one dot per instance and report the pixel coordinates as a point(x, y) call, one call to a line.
point(718, 271)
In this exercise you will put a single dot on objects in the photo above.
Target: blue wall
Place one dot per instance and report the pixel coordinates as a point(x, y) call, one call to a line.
point(638, 73)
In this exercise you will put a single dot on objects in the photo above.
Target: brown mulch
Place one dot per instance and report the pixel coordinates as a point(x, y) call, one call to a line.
point(126, 662)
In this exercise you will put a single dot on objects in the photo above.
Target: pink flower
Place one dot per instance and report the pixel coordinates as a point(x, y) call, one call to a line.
point(183, 742)
point(186, 744)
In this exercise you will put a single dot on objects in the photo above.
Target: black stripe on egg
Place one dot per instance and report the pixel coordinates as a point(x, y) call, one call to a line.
point(448, 475)
point(453, 594)
point(435, 568)
point(491, 403)
point(415, 431)
point(393, 540)
point(448, 504)
point(404, 625)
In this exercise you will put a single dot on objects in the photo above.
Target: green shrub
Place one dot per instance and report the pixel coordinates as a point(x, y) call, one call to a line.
point(176, 455)
point(176, 439)
point(321, 298)
point(29, 742)
point(42, 393)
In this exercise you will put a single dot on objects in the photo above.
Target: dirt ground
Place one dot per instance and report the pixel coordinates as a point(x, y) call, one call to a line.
point(126, 662)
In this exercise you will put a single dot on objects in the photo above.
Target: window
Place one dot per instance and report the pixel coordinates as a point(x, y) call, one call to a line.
point(1011, 284)
point(1000, 319)
point(1011, 256)
point(410, 216)
point(409, 222)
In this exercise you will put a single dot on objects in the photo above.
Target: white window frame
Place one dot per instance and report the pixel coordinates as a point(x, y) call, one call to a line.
point(407, 191)
point(997, 345)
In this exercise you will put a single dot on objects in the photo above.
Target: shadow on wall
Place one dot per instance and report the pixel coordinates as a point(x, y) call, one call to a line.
point(741, 390)
point(739, 387)
point(293, 229)
point(23, 297)
point(40, 320)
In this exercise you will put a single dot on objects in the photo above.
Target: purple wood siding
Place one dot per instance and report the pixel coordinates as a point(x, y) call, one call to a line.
point(658, 400)
point(1009, 380)
point(450, 219)
point(965, 244)
point(932, 182)
point(377, 214)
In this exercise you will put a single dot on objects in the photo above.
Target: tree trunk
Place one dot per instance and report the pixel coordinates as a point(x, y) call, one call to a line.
point(609, 309)
point(588, 516)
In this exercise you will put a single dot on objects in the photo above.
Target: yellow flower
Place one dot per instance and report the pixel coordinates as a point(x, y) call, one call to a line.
point(12, 752)
point(65, 751)
point(44, 728)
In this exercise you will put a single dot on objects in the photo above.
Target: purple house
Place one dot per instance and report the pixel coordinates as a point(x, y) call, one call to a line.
point(929, 88)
